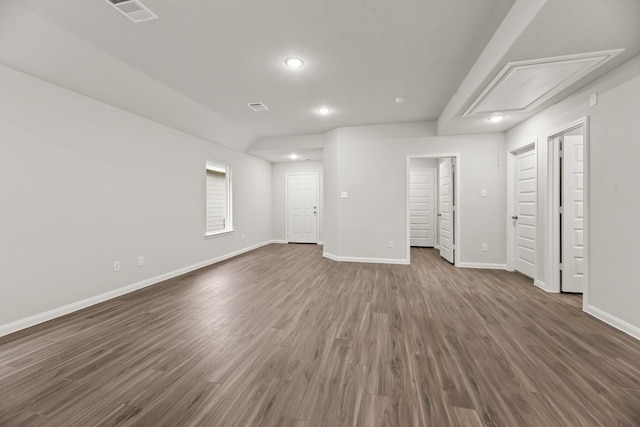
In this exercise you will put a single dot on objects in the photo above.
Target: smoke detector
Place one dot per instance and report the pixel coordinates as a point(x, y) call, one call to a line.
point(134, 10)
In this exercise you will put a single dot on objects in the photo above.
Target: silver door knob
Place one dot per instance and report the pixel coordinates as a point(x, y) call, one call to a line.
point(515, 217)
point(440, 214)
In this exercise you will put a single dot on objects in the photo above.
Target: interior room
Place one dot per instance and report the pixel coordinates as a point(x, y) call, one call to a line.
point(319, 214)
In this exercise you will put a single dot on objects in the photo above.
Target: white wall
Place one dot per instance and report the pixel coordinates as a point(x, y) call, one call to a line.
point(614, 169)
point(83, 184)
point(423, 163)
point(331, 172)
point(278, 149)
point(35, 46)
point(371, 165)
point(279, 193)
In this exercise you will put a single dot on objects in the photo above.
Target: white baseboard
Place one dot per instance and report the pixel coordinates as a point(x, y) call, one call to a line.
point(285, 242)
point(28, 322)
point(365, 260)
point(619, 324)
point(540, 284)
point(482, 265)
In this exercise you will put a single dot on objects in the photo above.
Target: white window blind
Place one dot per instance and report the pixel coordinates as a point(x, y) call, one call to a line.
point(217, 200)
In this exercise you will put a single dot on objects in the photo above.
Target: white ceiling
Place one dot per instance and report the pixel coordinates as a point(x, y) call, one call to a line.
point(200, 63)
point(359, 54)
point(536, 29)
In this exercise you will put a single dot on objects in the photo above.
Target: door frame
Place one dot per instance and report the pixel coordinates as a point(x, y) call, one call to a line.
point(511, 204)
point(457, 236)
point(286, 197)
point(552, 214)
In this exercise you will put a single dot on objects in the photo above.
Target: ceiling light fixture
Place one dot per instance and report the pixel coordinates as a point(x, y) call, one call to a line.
point(294, 62)
point(293, 156)
point(324, 110)
point(399, 99)
point(496, 118)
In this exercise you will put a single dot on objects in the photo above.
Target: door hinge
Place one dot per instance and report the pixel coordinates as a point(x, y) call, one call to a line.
point(561, 210)
point(561, 153)
point(560, 266)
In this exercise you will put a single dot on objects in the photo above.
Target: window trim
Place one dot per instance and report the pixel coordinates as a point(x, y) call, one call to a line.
point(226, 169)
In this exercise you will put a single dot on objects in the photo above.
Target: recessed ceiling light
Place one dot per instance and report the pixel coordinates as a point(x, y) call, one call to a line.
point(294, 62)
point(399, 99)
point(293, 156)
point(324, 110)
point(495, 118)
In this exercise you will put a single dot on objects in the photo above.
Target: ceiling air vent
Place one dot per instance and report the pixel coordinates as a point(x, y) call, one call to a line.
point(258, 106)
point(524, 85)
point(134, 10)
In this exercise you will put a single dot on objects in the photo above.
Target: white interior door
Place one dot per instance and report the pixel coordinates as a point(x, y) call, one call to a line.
point(524, 218)
point(445, 209)
point(302, 208)
point(422, 205)
point(572, 193)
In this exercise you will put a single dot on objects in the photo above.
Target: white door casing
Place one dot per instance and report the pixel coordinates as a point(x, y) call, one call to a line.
point(572, 213)
point(445, 209)
point(422, 205)
point(302, 208)
point(524, 219)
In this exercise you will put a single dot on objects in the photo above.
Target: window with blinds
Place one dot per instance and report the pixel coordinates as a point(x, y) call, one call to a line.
point(218, 199)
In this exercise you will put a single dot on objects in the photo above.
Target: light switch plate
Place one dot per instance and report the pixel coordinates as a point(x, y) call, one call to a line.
point(343, 195)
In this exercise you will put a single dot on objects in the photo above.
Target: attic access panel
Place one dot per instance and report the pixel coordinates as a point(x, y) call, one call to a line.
point(524, 85)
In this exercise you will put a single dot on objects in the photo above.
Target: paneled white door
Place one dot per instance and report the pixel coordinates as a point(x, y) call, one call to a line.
point(302, 208)
point(573, 213)
point(422, 205)
point(524, 218)
point(445, 209)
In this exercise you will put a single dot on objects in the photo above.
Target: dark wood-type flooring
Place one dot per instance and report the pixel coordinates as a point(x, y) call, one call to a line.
point(284, 337)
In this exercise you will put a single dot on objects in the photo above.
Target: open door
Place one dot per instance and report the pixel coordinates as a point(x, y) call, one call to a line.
point(524, 218)
point(572, 213)
point(446, 209)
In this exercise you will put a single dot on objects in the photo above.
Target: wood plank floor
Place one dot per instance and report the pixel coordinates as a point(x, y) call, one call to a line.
point(284, 337)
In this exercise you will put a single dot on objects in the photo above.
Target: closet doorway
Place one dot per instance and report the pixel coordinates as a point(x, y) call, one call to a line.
point(432, 201)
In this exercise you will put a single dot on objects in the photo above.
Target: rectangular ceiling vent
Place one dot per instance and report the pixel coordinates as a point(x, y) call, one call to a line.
point(134, 10)
point(524, 85)
point(258, 106)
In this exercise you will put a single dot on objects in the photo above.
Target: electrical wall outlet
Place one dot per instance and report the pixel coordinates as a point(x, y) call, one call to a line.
point(243, 237)
point(116, 265)
point(485, 247)
point(140, 261)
